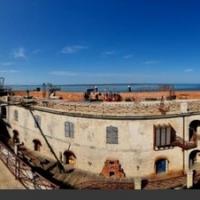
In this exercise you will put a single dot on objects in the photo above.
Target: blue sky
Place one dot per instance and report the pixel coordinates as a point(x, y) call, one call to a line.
point(99, 41)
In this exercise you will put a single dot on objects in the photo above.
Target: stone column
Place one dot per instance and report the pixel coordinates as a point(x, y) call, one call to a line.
point(138, 183)
point(186, 161)
point(189, 178)
point(16, 149)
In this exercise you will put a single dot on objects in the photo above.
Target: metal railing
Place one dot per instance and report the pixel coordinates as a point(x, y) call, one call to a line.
point(23, 172)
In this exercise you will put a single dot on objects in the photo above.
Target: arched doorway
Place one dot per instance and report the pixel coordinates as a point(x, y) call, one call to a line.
point(193, 129)
point(37, 145)
point(69, 158)
point(194, 159)
point(161, 166)
point(15, 137)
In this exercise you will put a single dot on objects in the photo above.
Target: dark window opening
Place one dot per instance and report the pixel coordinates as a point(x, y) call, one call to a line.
point(112, 174)
point(16, 137)
point(193, 158)
point(69, 157)
point(37, 145)
point(161, 166)
point(193, 129)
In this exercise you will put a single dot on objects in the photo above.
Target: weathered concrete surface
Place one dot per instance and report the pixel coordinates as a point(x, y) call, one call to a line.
point(7, 180)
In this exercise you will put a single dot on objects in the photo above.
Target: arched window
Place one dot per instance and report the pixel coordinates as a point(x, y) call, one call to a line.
point(16, 115)
point(37, 144)
point(69, 129)
point(161, 166)
point(69, 157)
point(112, 135)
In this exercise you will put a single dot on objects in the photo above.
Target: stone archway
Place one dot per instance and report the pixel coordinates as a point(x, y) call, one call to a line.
point(194, 159)
point(193, 130)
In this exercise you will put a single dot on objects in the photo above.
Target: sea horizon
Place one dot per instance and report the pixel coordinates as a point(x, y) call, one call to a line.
point(113, 87)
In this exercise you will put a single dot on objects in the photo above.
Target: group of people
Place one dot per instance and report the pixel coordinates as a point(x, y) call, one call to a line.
point(98, 96)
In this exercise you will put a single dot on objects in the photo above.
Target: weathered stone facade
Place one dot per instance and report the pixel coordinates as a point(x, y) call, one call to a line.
point(135, 149)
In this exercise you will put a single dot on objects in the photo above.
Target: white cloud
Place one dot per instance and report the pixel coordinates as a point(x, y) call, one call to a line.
point(109, 53)
point(128, 56)
point(150, 62)
point(73, 49)
point(188, 70)
point(19, 53)
point(63, 73)
point(36, 51)
point(7, 63)
point(89, 74)
point(10, 71)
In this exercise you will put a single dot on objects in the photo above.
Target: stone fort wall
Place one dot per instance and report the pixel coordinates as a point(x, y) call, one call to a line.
point(134, 150)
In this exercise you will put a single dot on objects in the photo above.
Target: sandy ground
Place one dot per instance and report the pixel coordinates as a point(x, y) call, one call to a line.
point(78, 96)
point(7, 180)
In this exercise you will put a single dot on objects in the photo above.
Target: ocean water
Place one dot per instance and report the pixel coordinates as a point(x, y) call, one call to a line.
point(111, 87)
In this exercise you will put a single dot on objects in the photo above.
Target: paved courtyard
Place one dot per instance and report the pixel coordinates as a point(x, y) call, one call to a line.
point(7, 180)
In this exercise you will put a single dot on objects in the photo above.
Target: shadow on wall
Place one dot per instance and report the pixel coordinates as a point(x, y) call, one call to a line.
point(4, 134)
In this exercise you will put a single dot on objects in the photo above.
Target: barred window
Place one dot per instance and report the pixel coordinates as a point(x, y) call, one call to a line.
point(164, 136)
point(16, 115)
point(38, 119)
point(69, 129)
point(112, 135)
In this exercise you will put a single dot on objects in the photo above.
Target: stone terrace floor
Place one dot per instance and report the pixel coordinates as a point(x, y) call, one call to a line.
point(7, 180)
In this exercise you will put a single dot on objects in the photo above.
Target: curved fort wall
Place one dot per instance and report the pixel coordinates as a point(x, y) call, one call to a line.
point(135, 148)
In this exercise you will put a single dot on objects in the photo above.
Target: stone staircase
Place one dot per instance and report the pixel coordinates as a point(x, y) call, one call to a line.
point(186, 145)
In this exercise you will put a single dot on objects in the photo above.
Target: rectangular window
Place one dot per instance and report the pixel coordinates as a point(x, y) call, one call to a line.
point(112, 135)
point(69, 129)
point(16, 115)
point(38, 119)
point(163, 137)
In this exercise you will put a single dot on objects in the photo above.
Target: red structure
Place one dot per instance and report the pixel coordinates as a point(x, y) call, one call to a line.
point(112, 168)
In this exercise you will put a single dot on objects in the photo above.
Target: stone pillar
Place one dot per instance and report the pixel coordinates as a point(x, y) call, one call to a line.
point(189, 178)
point(186, 162)
point(138, 183)
point(184, 107)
